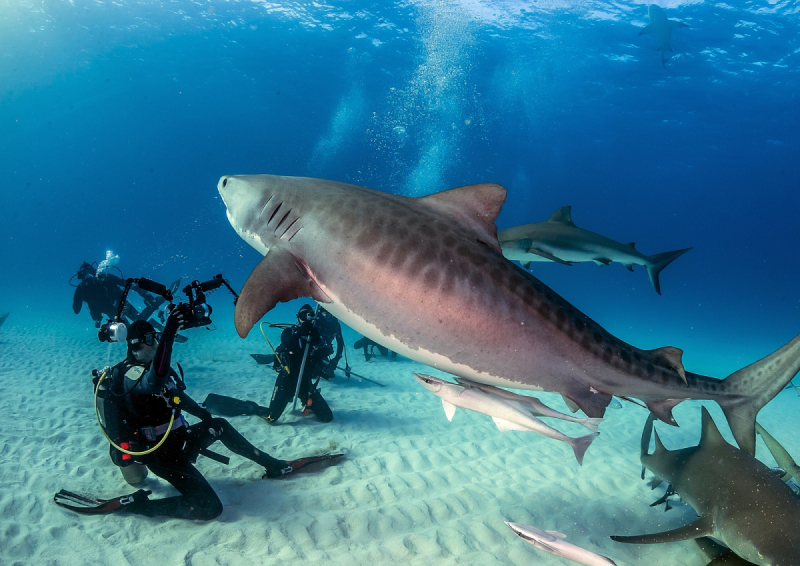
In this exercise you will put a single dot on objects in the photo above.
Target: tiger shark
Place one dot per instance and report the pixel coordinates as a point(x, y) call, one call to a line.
point(741, 502)
point(662, 28)
point(425, 277)
point(560, 240)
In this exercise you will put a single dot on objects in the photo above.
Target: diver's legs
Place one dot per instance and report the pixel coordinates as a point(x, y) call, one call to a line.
point(206, 433)
point(281, 396)
point(197, 500)
point(320, 407)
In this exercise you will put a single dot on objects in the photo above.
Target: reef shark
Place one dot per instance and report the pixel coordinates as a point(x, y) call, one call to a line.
point(425, 278)
point(741, 502)
point(560, 240)
point(506, 414)
point(662, 28)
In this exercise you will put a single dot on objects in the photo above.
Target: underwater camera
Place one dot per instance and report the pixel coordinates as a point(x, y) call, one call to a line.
point(200, 311)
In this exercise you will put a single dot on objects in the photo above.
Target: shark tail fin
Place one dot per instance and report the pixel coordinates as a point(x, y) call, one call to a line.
point(752, 387)
point(581, 444)
point(656, 263)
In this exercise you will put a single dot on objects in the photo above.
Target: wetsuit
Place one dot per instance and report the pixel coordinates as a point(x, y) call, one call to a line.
point(102, 294)
point(291, 350)
point(149, 396)
point(330, 329)
point(368, 345)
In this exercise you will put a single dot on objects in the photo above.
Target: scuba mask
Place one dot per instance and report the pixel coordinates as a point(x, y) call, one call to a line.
point(148, 339)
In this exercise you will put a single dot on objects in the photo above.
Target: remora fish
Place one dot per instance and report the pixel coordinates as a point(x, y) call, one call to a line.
point(531, 404)
point(740, 500)
point(781, 455)
point(425, 278)
point(507, 415)
point(662, 28)
point(554, 543)
point(560, 240)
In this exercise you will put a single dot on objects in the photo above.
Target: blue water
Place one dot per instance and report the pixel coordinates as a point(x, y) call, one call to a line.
point(118, 118)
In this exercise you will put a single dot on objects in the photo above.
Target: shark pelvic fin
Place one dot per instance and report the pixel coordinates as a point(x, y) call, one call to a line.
point(278, 278)
point(563, 216)
point(674, 359)
point(662, 409)
point(571, 405)
point(474, 206)
point(710, 435)
point(547, 255)
point(702, 527)
point(601, 261)
point(592, 403)
point(449, 410)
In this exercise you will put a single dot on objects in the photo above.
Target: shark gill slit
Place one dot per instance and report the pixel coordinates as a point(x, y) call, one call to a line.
point(274, 212)
point(292, 223)
point(266, 204)
point(285, 216)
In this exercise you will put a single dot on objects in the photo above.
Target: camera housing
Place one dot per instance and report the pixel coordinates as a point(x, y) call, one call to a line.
point(113, 331)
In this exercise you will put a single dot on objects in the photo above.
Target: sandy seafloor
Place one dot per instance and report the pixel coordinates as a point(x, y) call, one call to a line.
point(413, 489)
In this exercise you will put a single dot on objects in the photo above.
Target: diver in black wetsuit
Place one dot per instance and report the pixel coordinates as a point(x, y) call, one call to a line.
point(290, 355)
point(330, 329)
point(368, 345)
point(150, 395)
point(102, 293)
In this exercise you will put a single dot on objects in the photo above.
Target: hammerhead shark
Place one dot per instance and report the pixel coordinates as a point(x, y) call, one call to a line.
point(425, 278)
point(741, 502)
point(662, 27)
point(560, 240)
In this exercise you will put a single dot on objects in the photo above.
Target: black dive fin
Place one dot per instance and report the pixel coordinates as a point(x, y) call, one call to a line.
point(702, 527)
point(229, 407)
point(293, 465)
point(91, 506)
point(263, 359)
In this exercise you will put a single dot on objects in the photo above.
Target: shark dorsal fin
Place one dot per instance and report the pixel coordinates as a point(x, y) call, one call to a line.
point(474, 206)
point(673, 357)
point(710, 435)
point(563, 216)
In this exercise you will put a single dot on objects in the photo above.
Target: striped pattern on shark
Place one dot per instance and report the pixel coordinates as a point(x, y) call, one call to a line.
point(425, 278)
point(558, 239)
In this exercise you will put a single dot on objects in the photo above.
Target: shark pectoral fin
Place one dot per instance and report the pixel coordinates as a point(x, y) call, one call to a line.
point(674, 358)
point(650, 28)
point(548, 255)
point(571, 405)
point(278, 278)
point(662, 409)
point(563, 216)
point(474, 206)
point(504, 425)
point(675, 24)
point(593, 403)
point(449, 410)
point(702, 527)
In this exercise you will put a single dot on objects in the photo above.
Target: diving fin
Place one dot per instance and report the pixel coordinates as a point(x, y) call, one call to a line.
point(290, 466)
point(91, 506)
point(263, 359)
point(229, 407)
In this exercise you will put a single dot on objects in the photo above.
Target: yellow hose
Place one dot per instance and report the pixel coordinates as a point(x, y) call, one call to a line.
point(261, 327)
point(96, 414)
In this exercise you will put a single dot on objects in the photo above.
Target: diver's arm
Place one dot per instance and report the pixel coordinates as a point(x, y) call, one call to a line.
point(339, 343)
point(189, 405)
point(159, 370)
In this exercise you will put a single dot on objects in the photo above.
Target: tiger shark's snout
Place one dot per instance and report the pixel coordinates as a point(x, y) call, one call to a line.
point(428, 382)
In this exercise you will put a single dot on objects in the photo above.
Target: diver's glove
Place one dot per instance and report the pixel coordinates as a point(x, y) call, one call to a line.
point(179, 318)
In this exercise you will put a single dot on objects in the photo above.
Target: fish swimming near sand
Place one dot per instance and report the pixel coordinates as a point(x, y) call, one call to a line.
point(555, 543)
point(425, 278)
point(531, 404)
point(558, 239)
point(741, 502)
point(506, 414)
point(662, 28)
point(3, 318)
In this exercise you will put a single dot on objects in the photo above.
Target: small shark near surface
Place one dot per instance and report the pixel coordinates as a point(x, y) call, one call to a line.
point(741, 502)
point(560, 240)
point(506, 414)
point(554, 543)
point(662, 28)
point(425, 278)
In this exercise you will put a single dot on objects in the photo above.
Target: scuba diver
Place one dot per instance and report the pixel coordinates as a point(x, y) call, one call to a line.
point(142, 413)
point(101, 292)
point(369, 349)
point(304, 350)
point(330, 329)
